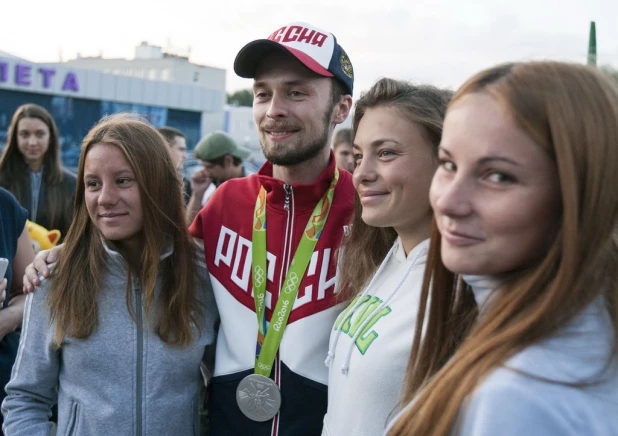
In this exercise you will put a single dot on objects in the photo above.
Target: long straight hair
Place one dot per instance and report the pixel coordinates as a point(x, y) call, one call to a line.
point(365, 247)
point(571, 112)
point(77, 278)
point(13, 166)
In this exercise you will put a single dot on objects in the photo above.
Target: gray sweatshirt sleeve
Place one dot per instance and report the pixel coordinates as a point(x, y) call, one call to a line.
point(514, 405)
point(211, 314)
point(32, 389)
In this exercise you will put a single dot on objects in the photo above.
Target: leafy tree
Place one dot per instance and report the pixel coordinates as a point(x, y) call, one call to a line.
point(243, 97)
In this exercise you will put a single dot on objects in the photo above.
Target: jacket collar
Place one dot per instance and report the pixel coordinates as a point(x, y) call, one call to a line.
point(118, 258)
point(306, 196)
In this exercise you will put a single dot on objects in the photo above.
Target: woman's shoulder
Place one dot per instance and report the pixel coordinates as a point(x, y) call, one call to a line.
point(524, 404)
point(12, 211)
point(7, 199)
point(69, 178)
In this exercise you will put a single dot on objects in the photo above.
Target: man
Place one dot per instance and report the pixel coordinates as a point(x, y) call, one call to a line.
point(302, 88)
point(178, 147)
point(303, 83)
point(342, 147)
point(222, 160)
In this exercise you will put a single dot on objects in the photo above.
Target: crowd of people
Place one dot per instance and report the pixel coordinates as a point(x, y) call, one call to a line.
point(448, 266)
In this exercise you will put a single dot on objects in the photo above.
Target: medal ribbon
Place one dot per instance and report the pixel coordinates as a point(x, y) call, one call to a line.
point(270, 334)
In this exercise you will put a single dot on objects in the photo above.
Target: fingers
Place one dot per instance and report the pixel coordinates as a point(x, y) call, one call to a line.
point(38, 269)
point(201, 176)
point(3, 285)
point(31, 279)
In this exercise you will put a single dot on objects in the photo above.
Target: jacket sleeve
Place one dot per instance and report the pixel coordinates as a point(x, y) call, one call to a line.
point(211, 314)
point(32, 390)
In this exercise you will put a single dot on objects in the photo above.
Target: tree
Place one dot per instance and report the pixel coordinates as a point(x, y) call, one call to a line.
point(243, 97)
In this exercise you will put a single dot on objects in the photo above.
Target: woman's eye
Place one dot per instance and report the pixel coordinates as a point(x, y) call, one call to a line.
point(357, 157)
point(498, 177)
point(447, 165)
point(124, 181)
point(385, 153)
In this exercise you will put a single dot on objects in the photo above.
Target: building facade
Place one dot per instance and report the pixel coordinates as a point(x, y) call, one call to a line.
point(165, 89)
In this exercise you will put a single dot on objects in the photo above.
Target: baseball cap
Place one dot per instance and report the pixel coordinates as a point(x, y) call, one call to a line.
point(217, 144)
point(316, 49)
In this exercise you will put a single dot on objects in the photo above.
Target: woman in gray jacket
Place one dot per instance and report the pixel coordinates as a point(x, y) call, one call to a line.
point(117, 334)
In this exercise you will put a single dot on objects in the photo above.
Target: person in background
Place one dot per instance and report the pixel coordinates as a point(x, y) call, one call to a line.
point(518, 320)
point(342, 146)
point(397, 128)
point(178, 147)
point(117, 333)
point(30, 169)
point(16, 246)
point(222, 160)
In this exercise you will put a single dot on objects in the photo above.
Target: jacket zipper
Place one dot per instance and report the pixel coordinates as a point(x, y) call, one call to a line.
point(140, 351)
point(288, 206)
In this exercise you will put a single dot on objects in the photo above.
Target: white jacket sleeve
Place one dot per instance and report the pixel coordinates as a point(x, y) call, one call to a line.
point(32, 390)
point(505, 408)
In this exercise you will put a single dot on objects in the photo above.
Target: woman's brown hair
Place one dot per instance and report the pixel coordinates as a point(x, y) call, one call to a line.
point(571, 112)
point(77, 277)
point(13, 166)
point(365, 247)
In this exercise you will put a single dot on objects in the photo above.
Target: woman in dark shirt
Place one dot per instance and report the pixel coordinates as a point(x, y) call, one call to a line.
point(16, 246)
point(30, 169)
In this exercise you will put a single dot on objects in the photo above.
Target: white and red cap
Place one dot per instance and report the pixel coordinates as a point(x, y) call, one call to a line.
point(316, 49)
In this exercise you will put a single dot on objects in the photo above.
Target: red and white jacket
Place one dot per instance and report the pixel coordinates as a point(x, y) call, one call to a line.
point(225, 225)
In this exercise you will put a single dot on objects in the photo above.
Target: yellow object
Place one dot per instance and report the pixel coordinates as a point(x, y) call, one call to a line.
point(42, 239)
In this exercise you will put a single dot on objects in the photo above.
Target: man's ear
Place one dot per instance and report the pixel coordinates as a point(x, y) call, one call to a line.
point(342, 109)
point(228, 161)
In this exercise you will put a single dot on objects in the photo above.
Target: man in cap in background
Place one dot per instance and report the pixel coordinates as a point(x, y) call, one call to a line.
point(222, 160)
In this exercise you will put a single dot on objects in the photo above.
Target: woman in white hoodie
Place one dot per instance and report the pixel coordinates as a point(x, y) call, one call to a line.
point(397, 131)
point(520, 333)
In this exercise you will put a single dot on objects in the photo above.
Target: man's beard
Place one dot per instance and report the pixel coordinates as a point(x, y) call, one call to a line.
point(297, 153)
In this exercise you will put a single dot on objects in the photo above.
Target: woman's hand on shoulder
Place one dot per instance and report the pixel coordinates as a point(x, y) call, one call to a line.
point(39, 270)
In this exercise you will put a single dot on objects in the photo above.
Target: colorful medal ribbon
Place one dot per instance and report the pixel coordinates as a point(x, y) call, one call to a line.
point(270, 334)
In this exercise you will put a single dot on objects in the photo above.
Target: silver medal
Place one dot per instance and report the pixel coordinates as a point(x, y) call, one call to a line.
point(258, 397)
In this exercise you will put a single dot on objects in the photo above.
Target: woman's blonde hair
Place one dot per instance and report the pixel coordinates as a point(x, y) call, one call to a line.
point(77, 277)
point(571, 112)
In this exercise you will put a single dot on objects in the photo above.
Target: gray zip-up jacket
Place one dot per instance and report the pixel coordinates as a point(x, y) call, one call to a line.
point(122, 380)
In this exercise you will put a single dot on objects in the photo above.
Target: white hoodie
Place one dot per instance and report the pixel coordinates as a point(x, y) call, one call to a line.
point(367, 363)
point(517, 400)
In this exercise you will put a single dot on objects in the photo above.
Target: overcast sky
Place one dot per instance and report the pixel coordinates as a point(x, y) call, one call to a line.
point(438, 41)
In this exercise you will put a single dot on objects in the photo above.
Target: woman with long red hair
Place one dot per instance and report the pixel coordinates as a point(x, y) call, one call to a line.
point(518, 326)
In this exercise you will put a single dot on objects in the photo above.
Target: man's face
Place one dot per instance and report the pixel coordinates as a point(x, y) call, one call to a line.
point(345, 156)
point(178, 147)
point(292, 110)
point(217, 173)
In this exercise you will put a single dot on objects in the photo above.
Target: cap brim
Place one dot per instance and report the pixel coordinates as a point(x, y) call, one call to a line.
point(242, 153)
point(249, 57)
